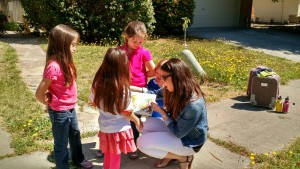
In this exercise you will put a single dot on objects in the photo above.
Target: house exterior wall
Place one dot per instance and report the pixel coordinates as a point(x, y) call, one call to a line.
point(298, 14)
point(13, 10)
point(280, 11)
point(216, 13)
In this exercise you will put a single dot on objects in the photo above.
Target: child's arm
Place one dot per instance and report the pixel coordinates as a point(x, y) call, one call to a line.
point(128, 114)
point(138, 89)
point(41, 93)
point(150, 65)
point(92, 96)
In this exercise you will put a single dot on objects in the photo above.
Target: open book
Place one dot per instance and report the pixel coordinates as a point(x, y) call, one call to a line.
point(141, 103)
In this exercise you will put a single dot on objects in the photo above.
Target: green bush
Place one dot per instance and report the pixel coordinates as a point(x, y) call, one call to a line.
point(169, 14)
point(42, 14)
point(12, 26)
point(99, 21)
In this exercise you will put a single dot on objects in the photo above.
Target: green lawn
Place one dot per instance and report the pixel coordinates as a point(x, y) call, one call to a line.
point(227, 68)
point(21, 115)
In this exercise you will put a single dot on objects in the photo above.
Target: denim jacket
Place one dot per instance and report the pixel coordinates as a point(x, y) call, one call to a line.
point(191, 124)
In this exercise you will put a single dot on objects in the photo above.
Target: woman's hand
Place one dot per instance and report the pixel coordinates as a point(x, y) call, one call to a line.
point(156, 107)
point(161, 111)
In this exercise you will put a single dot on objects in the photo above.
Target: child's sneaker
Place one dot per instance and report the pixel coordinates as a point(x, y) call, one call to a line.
point(99, 154)
point(86, 164)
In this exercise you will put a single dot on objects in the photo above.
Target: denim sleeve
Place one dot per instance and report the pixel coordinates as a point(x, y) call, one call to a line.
point(186, 121)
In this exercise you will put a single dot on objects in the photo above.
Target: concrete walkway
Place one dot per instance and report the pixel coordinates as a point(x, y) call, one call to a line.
point(234, 119)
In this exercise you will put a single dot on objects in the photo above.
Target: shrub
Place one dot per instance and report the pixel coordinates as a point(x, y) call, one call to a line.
point(12, 26)
point(169, 14)
point(99, 21)
point(42, 14)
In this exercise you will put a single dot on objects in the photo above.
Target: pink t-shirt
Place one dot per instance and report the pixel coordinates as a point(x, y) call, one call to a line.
point(63, 97)
point(137, 61)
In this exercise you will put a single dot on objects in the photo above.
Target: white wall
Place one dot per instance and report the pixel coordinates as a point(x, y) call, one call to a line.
point(298, 8)
point(13, 10)
point(279, 11)
point(216, 13)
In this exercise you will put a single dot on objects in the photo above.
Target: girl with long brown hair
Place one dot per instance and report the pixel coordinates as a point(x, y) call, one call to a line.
point(111, 94)
point(58, 91)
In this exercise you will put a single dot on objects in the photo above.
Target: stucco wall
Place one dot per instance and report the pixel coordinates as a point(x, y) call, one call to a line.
point(216, 13)
point(13, 10)
point(278, 11)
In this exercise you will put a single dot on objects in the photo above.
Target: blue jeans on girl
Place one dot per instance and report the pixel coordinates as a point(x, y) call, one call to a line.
point(65, 129)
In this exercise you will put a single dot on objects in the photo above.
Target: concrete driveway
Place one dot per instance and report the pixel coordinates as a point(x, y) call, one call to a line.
point(281, 44)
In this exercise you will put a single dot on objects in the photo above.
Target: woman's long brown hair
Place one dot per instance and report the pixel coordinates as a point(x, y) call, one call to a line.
point(111, 85)
point(185, 86)
point(59, 42)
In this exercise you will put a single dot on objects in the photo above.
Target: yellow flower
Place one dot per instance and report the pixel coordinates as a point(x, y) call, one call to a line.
point(252, 162)
point(252, 154)
point(35, 134)
point(274, 153)
point(251, 158)
point(291, 152)
point(266, 154)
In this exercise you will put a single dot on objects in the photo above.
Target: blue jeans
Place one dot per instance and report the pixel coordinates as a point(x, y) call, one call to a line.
point(64, 129)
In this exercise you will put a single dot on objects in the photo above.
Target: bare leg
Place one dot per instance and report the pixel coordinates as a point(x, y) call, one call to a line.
point(184, 161)
point(163, 162)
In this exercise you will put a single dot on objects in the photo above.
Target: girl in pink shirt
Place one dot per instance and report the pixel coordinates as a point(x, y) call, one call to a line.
point(140, 60)
point(58, 91)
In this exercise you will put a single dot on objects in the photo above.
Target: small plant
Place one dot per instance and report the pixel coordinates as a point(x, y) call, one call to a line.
point(185, 25)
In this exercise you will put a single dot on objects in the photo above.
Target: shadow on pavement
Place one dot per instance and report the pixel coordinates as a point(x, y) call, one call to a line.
point(11, 37)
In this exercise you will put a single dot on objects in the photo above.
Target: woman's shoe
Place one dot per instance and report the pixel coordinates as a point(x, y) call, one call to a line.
point(187, 164)
point(159, 163)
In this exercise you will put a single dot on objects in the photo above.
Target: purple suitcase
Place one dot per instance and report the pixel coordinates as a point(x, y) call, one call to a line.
point(252, 74)
point(264, 91)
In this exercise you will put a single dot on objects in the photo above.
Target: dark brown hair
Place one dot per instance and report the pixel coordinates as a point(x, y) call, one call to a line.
point(59, 42)
point(185, 86)
point(111, 85)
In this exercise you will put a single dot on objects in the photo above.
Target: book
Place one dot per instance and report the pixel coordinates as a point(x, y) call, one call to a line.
point(141, 103)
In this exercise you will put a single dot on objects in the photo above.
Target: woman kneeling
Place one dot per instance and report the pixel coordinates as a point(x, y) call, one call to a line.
point(182, 130)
